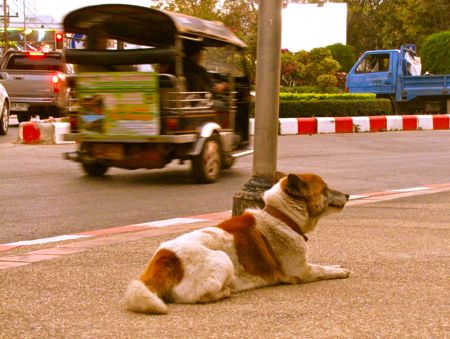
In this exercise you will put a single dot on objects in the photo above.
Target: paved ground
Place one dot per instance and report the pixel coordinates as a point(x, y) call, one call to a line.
point(398, 251)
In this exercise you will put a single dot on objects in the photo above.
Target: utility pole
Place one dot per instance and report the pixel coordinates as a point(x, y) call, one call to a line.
point(267, 107)
point(5, 27)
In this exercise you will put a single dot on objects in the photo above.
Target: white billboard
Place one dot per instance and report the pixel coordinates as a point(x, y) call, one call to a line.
point(306, 26)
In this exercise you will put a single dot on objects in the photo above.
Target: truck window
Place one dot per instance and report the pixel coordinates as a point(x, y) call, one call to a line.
point(25, 62)
point(374, 63)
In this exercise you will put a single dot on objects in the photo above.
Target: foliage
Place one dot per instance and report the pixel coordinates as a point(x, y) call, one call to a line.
point(344, 54)
point(291, 69)
point(378, 24)
point(325, 96)
point(240, 16)
point(334, 108)
point(326, 80)
point(309, 89)
point(304, 68)
point(435, 53)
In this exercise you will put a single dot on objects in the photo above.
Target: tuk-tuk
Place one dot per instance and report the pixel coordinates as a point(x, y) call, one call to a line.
point(134, 107)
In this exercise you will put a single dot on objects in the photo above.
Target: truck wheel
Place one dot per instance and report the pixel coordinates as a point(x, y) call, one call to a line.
point(206, 166)
point(4, 119)
point(94, 169)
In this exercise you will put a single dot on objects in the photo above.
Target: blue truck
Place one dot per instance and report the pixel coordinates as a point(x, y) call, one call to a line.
point(396, 75)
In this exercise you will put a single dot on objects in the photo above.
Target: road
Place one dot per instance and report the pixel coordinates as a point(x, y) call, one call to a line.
point(43, 195)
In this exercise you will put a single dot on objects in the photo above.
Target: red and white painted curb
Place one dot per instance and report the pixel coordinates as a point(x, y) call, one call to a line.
point(43, 132)
point(319, 125)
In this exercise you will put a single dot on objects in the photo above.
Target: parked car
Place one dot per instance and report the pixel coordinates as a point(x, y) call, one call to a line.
point(4, 111)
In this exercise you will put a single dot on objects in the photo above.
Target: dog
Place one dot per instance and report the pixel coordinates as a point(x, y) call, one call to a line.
point(261, 247)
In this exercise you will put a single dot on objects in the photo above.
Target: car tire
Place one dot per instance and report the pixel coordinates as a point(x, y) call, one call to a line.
point(206, 166)
point(94, 169)
point(4, 119)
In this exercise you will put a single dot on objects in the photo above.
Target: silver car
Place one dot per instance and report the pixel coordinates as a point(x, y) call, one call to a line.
point(4, 111)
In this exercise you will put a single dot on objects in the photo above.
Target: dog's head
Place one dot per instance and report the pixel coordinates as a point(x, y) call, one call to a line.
point(305, 193)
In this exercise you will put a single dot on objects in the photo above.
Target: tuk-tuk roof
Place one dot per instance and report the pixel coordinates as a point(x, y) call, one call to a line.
point(148, 26)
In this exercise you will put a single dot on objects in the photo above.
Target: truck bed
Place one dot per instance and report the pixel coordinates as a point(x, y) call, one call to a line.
point(425, 85)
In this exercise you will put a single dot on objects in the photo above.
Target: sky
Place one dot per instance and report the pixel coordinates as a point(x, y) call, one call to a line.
point(59, 8)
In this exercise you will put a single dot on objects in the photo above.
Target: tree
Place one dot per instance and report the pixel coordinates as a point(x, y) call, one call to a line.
point(435, 53)
point(241, 16)
point(318, 62)
point(343, 54)
point(385, 24)
point(290, 69)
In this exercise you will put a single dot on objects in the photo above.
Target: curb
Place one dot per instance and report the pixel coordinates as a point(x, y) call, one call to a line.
point(92, 239)
point(326, 125)
point(43, 132)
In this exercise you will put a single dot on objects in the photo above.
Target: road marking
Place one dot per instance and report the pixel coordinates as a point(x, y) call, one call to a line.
point(47, 240)
point(355, 200)
point(170, 222)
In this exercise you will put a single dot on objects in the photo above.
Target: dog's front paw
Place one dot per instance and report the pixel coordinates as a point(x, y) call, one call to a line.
point(338, 271)
point(343, 272)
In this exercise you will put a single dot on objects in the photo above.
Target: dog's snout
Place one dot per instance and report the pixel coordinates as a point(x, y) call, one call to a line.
point(347, 196)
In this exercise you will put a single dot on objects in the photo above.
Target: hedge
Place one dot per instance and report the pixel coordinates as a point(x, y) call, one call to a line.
point(334, 108)
point(326, 96)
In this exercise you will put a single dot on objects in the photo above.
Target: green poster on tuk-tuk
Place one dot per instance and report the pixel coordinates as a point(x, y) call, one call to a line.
point(119, 103)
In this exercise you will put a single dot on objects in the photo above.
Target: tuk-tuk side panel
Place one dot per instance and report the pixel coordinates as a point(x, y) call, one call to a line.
point(118, 104)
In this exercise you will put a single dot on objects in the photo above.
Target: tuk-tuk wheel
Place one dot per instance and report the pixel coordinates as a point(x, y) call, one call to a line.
point(94, 169)
point(206, 166)
point(227, 162)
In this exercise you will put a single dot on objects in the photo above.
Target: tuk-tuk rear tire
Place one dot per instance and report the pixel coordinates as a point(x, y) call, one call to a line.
point(206, 166)
point(94, 169)
point(228, 162)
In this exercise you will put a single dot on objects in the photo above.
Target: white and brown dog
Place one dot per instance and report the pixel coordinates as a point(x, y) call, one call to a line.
point(259, 248)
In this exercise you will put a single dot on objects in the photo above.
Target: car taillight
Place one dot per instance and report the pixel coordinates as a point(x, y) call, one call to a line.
point(36, 54)
point(55, 80)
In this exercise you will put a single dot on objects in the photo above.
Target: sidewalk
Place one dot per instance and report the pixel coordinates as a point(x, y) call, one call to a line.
point(397, 249)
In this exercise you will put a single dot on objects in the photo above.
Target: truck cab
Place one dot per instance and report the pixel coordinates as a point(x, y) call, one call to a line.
point(396, 75)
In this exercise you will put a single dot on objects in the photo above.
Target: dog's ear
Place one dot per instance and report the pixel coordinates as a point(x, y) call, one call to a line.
point(278, 176)
point(296, 186)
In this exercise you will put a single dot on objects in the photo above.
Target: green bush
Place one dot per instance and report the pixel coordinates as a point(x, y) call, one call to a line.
point(334, 108)
point(309, 89)
point(343, 54)
point(435, 53)
point(326, 96)
point(326, 80)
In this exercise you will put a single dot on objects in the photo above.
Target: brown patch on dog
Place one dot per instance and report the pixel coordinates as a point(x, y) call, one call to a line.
point(254, 251)
point(163, 272)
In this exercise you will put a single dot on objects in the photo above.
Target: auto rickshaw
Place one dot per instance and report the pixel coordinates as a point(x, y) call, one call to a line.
point(133, 107)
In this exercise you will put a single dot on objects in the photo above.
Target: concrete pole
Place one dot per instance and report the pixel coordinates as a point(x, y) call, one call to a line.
point(267, 107)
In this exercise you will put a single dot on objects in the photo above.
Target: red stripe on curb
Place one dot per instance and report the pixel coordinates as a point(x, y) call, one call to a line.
point(307, 125)
point(113, 230)
point(441, 122)
point(378, 123)
point(7, 247)
point(344, 124)
point(409, 122)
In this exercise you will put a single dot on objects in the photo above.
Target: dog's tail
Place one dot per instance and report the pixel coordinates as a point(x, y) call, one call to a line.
point(139, 298)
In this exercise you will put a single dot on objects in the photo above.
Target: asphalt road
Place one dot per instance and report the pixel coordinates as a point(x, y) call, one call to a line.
point(43, 195)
